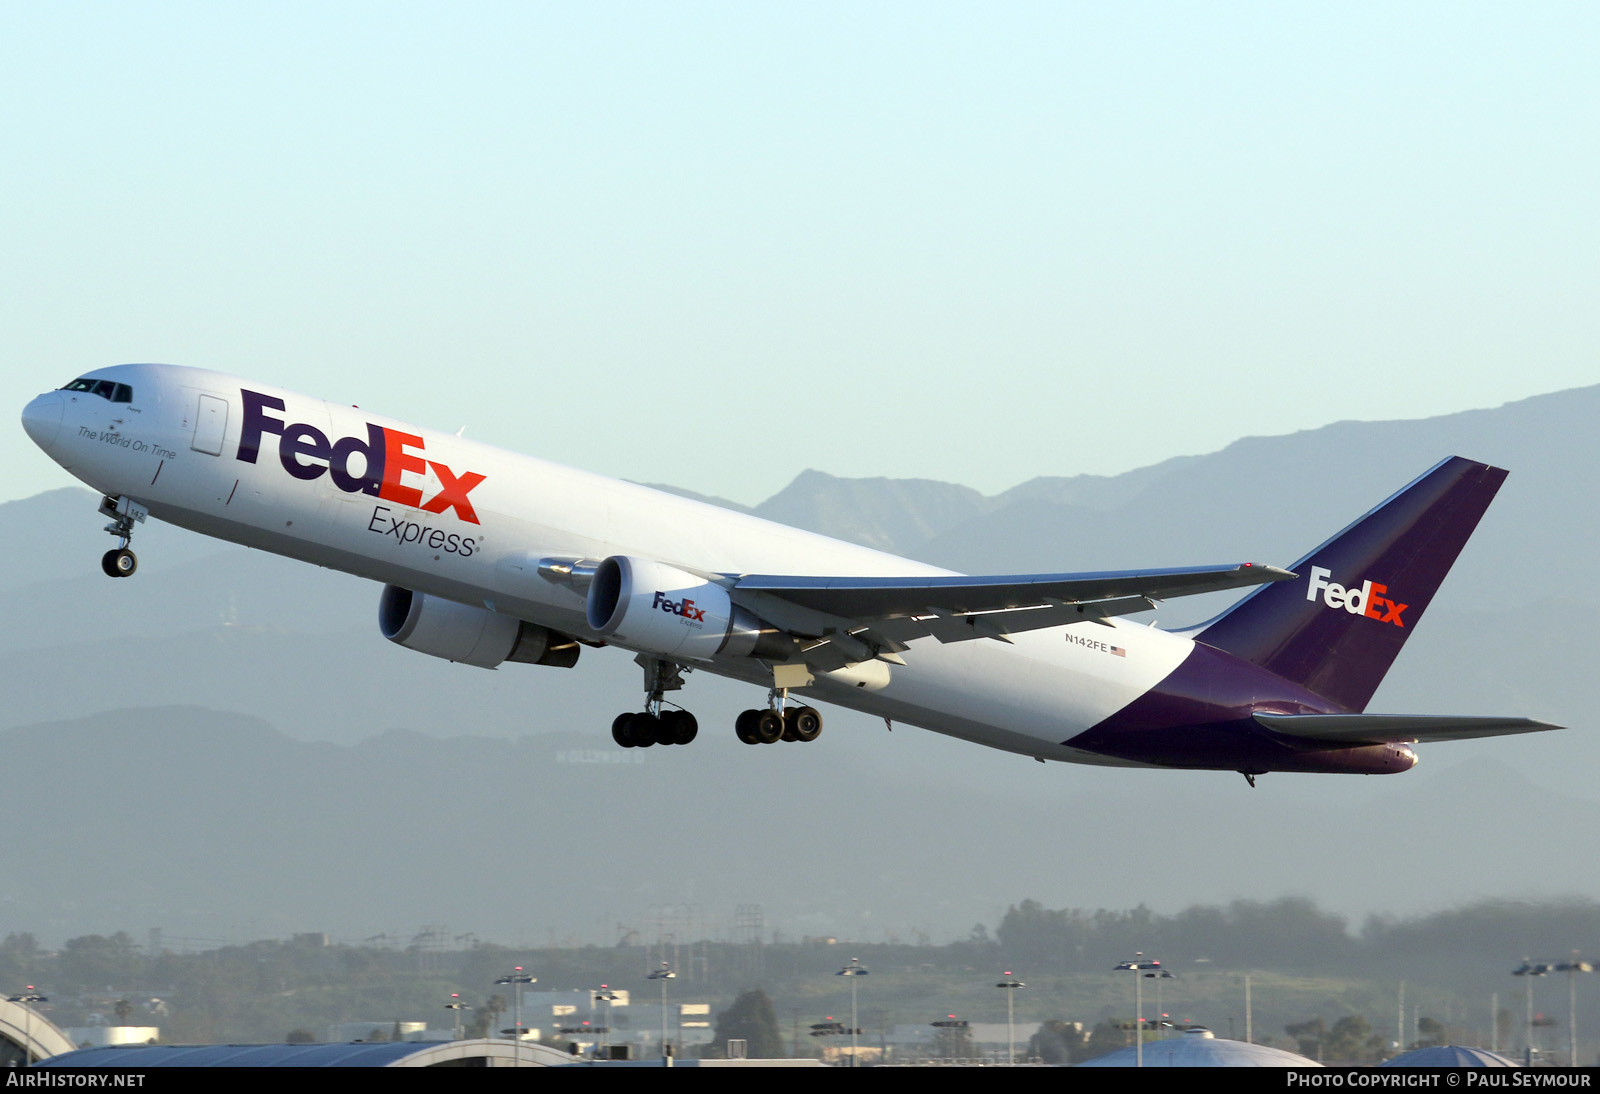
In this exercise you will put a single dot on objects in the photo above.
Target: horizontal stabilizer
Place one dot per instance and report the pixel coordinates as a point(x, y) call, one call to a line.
point(1371, 729)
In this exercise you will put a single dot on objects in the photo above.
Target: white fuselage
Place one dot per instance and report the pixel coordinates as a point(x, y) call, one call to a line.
point(435, 526)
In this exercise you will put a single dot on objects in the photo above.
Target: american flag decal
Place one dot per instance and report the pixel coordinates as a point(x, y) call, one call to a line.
point(1119, 651)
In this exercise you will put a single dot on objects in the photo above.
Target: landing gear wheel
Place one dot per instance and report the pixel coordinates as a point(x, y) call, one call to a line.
point(768, 726)
point(619, 729)
point(678, 727)
point(643, 730)
point(801, 724)
point(745, 727)
point(119, 562)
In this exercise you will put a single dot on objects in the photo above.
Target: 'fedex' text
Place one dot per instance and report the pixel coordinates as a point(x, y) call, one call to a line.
point(1365, 601)
point(685, 608)
point(387, 456)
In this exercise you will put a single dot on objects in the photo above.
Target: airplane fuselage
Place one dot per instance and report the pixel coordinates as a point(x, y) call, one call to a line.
point(431, 512)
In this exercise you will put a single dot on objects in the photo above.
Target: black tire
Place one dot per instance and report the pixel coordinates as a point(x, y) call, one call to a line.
point(643, 729)
point(745, 726)
point(680, 726)
point(768, 726)
point(804, 723)
point(119, 562)
point(619, 729)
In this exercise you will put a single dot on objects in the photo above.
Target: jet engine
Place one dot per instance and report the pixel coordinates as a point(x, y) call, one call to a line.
point(672, 613)
point(472, 636)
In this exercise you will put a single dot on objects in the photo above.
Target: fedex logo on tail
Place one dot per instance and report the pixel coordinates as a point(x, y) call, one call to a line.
point(1367, 600)
point(387, 457)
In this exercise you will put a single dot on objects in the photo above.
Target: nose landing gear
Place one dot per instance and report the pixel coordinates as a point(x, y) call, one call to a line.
point(119, 562)
point(124, 513)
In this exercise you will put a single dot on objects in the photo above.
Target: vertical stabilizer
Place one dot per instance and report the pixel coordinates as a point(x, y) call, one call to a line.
point(1337, 629)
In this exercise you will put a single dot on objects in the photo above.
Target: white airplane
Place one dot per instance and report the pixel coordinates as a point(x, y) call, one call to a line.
point(488, 556)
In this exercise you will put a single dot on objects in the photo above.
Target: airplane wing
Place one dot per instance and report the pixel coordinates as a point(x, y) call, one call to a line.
point(844, 620)
point(853, 619)
point(1350, 730)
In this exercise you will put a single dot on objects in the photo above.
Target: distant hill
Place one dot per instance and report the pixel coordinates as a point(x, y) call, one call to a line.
point(213, 825)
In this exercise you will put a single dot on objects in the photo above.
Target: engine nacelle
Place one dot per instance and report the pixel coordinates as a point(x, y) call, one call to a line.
point(670, 612)
point(472, 636)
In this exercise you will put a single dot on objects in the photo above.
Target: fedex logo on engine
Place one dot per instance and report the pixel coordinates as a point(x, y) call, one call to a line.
point(387, 457)
point(1365, 601)
point(684, 607)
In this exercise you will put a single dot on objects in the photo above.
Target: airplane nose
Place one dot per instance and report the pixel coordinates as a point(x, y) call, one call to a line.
point(42, 419)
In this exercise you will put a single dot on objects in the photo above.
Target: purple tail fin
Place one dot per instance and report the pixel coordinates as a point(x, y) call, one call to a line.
point(1338, 628)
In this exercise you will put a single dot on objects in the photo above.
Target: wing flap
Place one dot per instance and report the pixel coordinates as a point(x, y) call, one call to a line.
point(1350, 730)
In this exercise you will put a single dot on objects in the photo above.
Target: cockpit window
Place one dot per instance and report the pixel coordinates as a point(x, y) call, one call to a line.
point(106, 389)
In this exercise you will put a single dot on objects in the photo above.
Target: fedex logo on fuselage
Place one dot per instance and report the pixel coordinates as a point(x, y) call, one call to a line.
point(1366, 600)
point(684, 607)
point(387, 456)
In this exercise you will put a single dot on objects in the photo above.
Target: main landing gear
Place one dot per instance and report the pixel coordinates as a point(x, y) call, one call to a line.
point(764, 727)
point(657, 725)
point(641, 729)
point(124, 512)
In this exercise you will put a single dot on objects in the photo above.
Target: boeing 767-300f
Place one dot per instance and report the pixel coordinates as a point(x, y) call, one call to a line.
point(487, 556)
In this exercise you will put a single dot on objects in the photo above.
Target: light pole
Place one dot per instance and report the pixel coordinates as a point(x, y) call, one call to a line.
point(1571, 968)
point(607, 996)
point(516, 978)
point(1011, 984)
point(663, 974)
point(27, 999)
point(1161, 1015)
point(1140, 969)
point(1529, 970)
point(853, 970)
point(458, 1006)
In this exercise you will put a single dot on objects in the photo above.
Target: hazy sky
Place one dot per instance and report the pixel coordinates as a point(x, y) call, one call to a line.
point(716, 244)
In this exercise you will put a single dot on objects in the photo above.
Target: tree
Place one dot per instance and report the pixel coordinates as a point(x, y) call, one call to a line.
point(487, 1018)
point(1105, 1038)
point(1309, 1037)
point(1056, 1041)
point(18, 955)
point(1430, 1032)
point(95, 959)
point(1350, 1040)
point(751, 1019)
point(1353, 1041)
